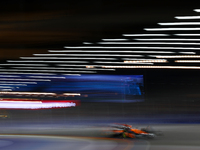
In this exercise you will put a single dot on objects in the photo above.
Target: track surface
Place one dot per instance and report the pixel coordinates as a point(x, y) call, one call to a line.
point(88, 137)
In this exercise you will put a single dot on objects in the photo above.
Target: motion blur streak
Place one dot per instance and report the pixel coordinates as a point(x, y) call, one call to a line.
point(23, 104)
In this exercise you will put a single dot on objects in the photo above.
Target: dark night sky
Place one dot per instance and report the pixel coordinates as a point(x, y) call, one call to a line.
point(29, 27)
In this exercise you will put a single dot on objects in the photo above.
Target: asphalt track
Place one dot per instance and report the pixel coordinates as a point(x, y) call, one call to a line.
point(88, 137)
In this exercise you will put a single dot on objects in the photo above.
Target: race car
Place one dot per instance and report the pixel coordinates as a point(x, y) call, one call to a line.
point(127, 131)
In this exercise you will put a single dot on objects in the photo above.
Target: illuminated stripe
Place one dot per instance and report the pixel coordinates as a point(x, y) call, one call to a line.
point(45, 71)
point(197, 10)
point(140, 43)
point(41, 61)
point(178, 56)
point(66, 58)
point(5, 82)
point(145, 34)
point(180, 23)
point(187, 34)
point(23, 79)
point(58, 68)
point(154, 67)
point(171, 29)
point(116, 47)
point(82, 51)
point(106, 55)
point(172, 39)
point(114, 39)
point(145, 61)
point(46, 77)
point(120, 62)
point(187, 61)
point(135, 47)
point(23, 64)
point(187, 17)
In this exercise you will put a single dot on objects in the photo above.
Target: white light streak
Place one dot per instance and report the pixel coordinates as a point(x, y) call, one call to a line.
point(10, 76)
point(7, 82)
point(187, 17)
point(121, 62)
point(154, 67)
point(1, 72)
point(45, 71)
point(23, 65)
point(58, 68)
point(114, 39)
point(103, 55)
point(23, 79)
point(46, 77)
point(113, 52)
point(145, 34)
point(75, 94)
point(171, 39)
point(7, 87)
point(178, 56)
point(41, 61)
point(197, 10)
point(137, 47)
point(180, 23)
point(155, 43)
point(66, 58)
point(72, 74)
point(171, 29)
point(187, 52)
point(145, 61)
point(187, 34)
point(86, 43)
point(15, 84)
point(34, 104)
point(187, 61)
point(28, 93)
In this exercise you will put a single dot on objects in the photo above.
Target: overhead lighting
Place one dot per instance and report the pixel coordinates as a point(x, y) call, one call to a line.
point(114, 39)
point(10, 76)
point(145, 34)
point(86, 43)
point(104, 55)
point(171, 39)
point(23, 65)
point(180, 23)
point(187, 34)
point(2, 72)
point(154, 67)
point(155, 43)
point(140, 47)
point(197, 10)
point(106, 51)
point(145, 61)
point(46, 71)
point(172, 29)
point(41, 61)
point(178, 56)
point(120, 62)
point(187, 61)
point(66, 58)
point(13, 82)
point(187, 17)
point(57, 68)
point(46, 77)
point(23, 79)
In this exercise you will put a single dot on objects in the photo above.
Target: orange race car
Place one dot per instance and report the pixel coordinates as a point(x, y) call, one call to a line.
point(127, 131)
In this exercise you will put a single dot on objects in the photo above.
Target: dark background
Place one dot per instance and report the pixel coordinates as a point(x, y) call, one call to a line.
point(28, 27)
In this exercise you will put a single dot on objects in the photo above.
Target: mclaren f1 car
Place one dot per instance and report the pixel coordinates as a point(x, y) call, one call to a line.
point(127, 131)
